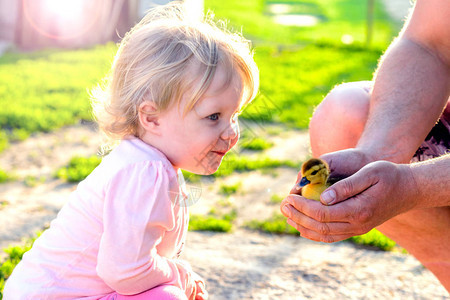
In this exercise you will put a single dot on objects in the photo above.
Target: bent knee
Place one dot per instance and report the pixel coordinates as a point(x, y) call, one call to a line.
point(340, 117)
point(347, 99)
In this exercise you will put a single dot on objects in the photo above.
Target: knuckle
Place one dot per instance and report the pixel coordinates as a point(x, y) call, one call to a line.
point(365, 216)
point(321, 215)
point(324, 229)
point(347, 187)
point(327, 239)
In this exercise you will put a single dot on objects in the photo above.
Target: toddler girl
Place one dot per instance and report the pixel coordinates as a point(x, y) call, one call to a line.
point(172, 100)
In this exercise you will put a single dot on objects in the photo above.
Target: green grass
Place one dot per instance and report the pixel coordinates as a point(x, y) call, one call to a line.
point(276, 224)
point(14, 256)
point(293, 82)
point(32, 181)
point(277, 199)
point(338, 17)
point(255, 144)
point(46, 90)
point(374, 238)
point(4, 143)
point(233, 162)
point(4, 203)
point(4, 176)
point(214, 221)
point(228, 190)
point(209, 223)
point(78, 168)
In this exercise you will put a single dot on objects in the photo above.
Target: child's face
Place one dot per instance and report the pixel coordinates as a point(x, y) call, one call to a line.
point(198, 141)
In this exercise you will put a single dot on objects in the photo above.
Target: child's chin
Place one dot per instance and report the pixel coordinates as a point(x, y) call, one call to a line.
point(209, 171)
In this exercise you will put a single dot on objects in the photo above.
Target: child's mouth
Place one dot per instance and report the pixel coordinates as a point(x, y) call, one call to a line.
point(221, 153)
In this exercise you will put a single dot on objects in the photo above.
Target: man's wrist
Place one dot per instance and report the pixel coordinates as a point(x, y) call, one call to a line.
point(376, 152)
point(412, 184)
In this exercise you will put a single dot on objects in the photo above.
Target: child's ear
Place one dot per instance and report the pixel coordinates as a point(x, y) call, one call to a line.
point(148, 116)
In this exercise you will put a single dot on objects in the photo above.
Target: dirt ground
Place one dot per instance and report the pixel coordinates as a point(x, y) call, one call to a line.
point(243, 264)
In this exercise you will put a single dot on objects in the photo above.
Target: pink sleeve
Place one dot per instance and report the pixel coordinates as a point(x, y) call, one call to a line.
point(137, 213)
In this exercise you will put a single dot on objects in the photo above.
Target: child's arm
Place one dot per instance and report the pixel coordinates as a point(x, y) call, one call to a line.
point(137, 213)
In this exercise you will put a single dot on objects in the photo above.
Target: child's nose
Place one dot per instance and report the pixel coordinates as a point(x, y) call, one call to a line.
point(231, 132)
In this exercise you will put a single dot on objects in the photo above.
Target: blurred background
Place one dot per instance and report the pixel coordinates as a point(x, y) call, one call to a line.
point(54, 50)
point(38, 24)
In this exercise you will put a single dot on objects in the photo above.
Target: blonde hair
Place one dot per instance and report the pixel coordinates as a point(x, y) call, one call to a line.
point(154, 63)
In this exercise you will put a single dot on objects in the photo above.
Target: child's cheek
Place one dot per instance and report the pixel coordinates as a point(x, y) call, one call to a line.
point(234, 141)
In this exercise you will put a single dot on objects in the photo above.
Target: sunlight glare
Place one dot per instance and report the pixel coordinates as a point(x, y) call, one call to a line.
point(65, 9)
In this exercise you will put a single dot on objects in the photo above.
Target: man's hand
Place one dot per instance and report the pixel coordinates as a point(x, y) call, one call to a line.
point(346, 162)
point(373, 195)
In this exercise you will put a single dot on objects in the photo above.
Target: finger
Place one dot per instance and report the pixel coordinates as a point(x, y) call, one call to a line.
point(319, 227)
point(319, 212)
point(315, 236)
point(347, 188)
point(282, 208)
point(344, 162)
point(201, 296)
point(311, 208)
point(296, 189)
point(205, 295)
point(194, 293)
point(286, 202)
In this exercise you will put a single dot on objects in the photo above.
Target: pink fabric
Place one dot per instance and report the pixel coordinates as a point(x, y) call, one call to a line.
point(121, 231)
point(162, 292)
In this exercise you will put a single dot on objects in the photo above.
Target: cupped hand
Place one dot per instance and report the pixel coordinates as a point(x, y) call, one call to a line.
point(373, 195)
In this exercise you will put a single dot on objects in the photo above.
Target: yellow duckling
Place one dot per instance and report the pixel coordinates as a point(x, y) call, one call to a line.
point(314, 180)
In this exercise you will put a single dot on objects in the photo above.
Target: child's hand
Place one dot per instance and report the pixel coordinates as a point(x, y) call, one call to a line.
point(199, 290)
point(201, 293)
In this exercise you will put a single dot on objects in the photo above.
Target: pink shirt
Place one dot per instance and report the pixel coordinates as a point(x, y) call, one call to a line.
point(121, 231)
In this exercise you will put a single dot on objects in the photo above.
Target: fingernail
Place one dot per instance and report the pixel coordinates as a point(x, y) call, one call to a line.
point(286, 211)
point(329, 196)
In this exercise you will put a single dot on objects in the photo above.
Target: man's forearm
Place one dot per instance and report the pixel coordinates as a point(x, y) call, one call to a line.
point(433, 182)
point(411, 88)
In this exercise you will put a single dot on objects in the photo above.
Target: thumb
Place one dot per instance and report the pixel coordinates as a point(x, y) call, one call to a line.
point(346, 188)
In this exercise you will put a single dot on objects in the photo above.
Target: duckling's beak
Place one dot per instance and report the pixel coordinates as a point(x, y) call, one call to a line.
point(303, 182)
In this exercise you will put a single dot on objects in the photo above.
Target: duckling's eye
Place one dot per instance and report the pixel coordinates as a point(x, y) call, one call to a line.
point(315, 172)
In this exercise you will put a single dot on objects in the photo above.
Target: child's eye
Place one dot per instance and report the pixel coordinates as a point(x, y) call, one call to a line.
point(214, 117)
